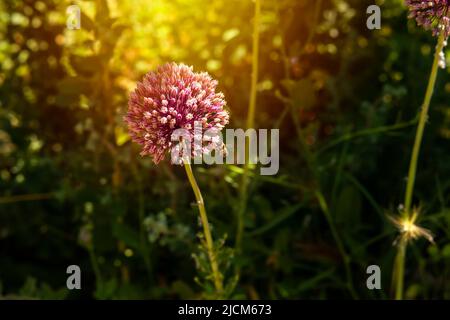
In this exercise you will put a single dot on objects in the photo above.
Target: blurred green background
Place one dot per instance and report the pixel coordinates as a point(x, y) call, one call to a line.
point(74, 190)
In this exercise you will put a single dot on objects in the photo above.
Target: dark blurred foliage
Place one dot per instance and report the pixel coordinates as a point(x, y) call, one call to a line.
point(74, 190)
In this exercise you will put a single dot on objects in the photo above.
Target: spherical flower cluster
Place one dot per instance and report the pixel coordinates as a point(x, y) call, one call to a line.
point(174, 97)
point(431, 14)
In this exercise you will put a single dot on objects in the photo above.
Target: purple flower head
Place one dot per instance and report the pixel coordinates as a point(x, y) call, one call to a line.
point(431, 14)
point(170, 98)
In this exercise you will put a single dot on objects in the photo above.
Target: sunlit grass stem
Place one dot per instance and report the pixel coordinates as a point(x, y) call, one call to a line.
point(217, 277)
point(399, 269)
point(249, 124)
point(399, 265)
point(421, 126)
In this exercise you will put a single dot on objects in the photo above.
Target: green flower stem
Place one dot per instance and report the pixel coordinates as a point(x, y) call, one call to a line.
point(399, 265)
point(207, 232)
point(421, 126)
point(399, 269)
point(249, 124)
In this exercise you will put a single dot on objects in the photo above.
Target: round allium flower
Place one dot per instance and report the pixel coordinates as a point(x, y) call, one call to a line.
point(431, 14)
point(174, 97)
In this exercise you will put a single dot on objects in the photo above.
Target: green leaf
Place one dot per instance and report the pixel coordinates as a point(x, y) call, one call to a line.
point(446, 251)
point(102, 14)
point(301, 92)
point(182, 289)
point(348, 207)
point(281, 216)
point(85, 65)
point(313, 282)
point(106, 290)
point(119, 28)
point(75, 85)
point(86, 22)
point(127, 235)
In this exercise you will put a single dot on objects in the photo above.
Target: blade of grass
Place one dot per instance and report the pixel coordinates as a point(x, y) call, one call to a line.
point(282, 216)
